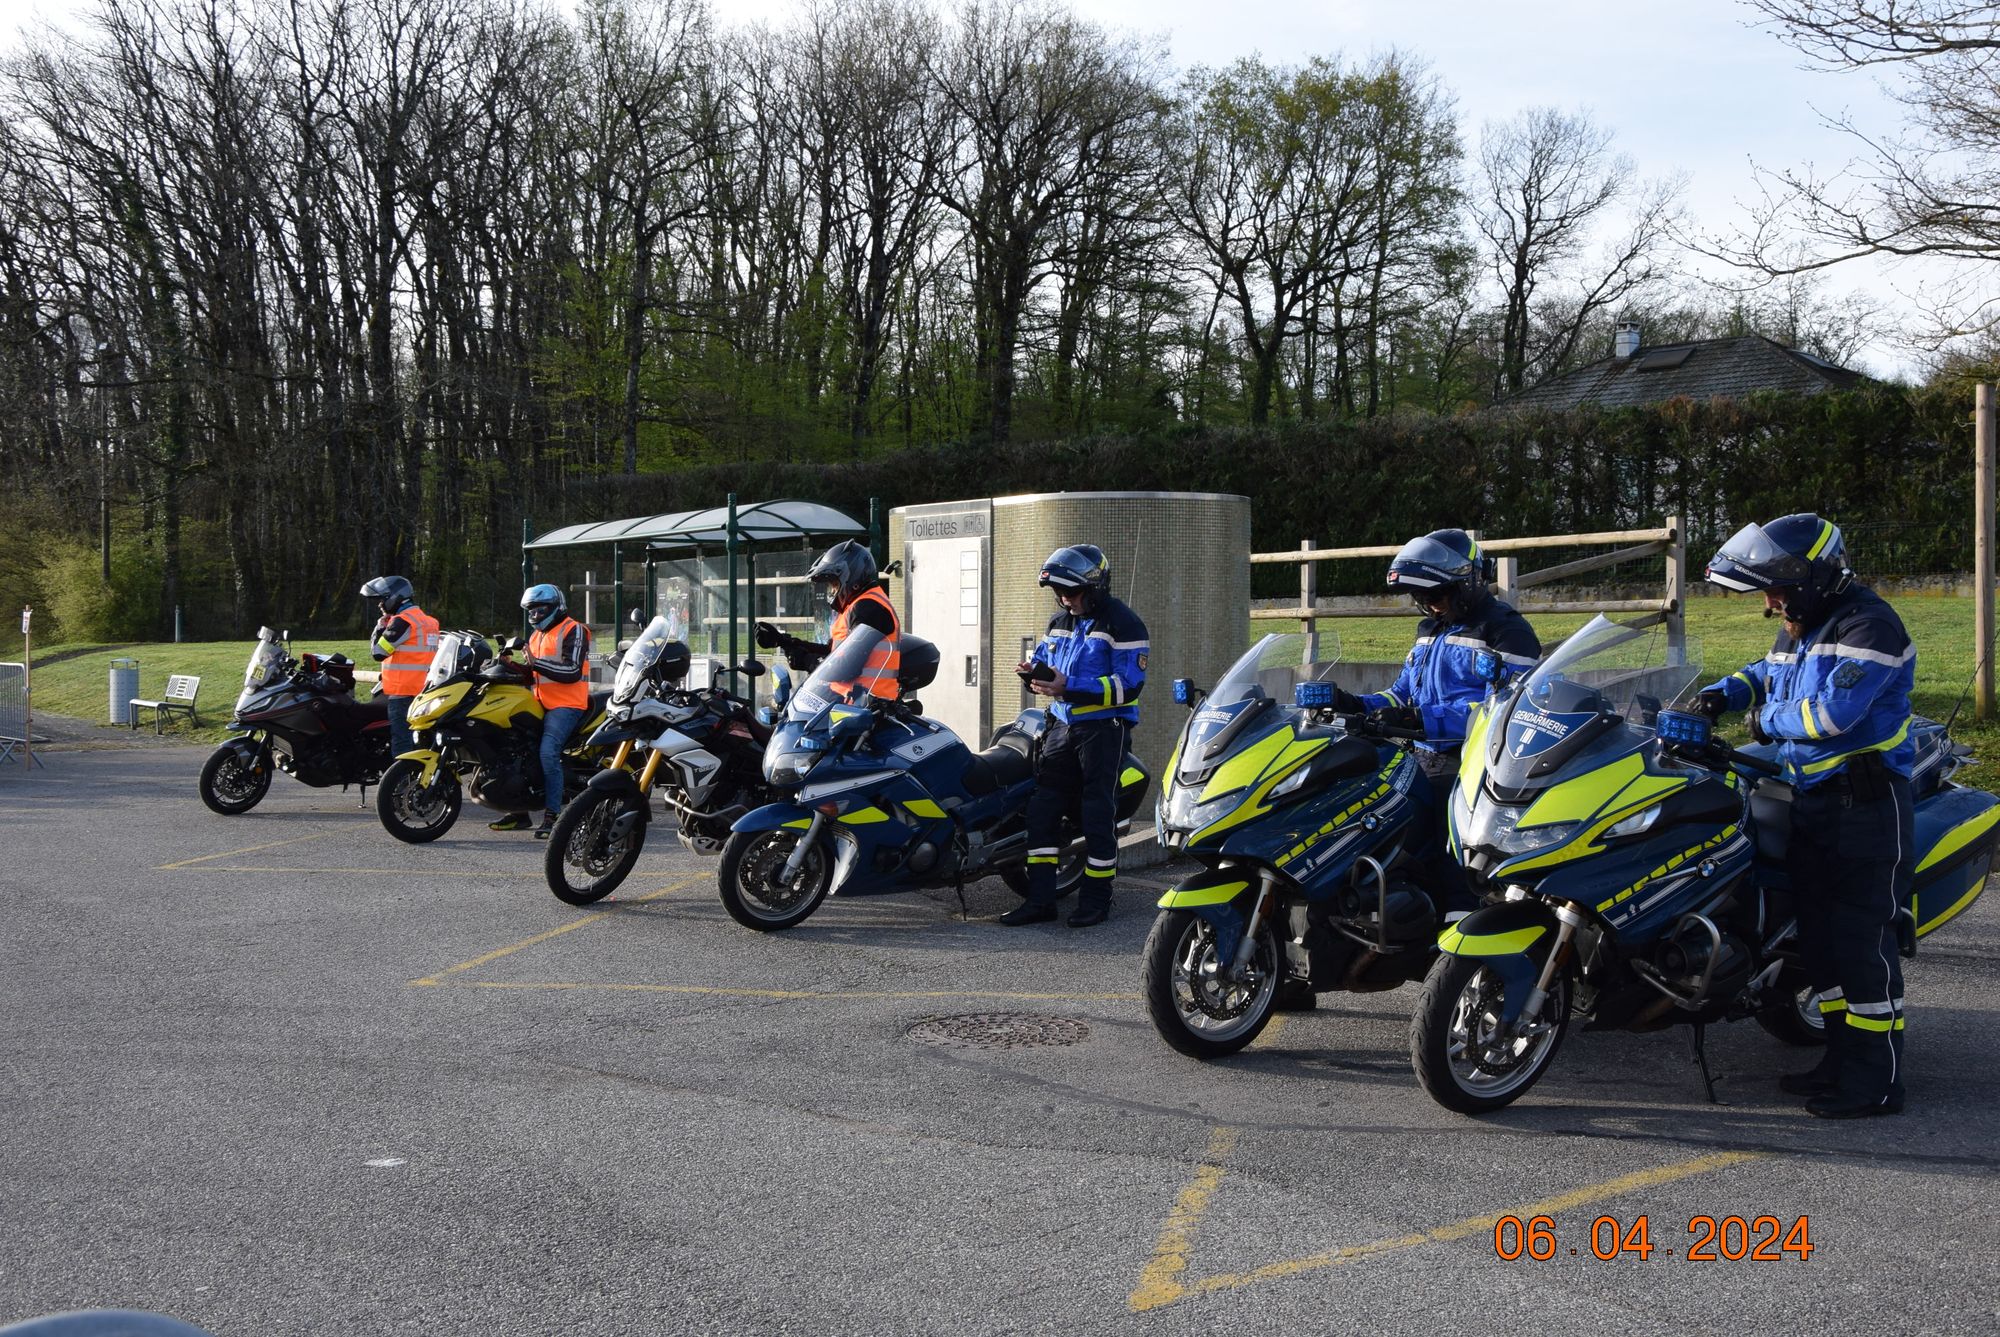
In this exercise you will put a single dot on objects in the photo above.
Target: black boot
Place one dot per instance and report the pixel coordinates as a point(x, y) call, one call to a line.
point(1088, 913)
point(1028, 912)
point(1821, 1078)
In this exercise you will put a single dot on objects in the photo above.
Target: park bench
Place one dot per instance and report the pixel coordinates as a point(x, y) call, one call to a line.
point(179, 700)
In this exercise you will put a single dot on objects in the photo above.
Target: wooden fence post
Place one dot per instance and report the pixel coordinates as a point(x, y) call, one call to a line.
point(1982, 550)
point(1309, 601)
point(1676, 595)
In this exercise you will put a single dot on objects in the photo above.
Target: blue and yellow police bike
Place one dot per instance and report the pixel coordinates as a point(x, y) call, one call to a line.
point(881, 799)
point(1634, 867)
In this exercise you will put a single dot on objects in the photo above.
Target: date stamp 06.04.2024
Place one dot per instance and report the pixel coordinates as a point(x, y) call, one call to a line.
point(1708, 1239)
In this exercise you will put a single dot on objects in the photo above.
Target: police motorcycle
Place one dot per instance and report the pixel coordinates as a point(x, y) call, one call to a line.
point(300, 716)
point(704, 751)
point(881, 799)
point(478, 728)
point(1639, 866)
point(1308, 826)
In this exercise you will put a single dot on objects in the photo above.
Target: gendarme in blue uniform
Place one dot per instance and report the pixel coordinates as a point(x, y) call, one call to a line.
point(1440, 679)
point(1103, 657)
point(1842, 691)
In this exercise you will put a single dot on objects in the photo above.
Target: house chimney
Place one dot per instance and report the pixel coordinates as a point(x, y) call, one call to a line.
point(1626, 342)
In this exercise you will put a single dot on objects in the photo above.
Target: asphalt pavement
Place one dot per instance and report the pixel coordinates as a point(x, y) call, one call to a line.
point(280, 1073)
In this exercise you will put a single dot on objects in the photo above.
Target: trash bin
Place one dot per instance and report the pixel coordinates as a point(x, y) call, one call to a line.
point(124, 686)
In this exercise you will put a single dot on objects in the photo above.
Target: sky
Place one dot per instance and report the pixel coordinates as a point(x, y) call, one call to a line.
point(1695, 88)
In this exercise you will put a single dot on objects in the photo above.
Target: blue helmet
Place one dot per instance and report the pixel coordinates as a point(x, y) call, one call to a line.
point(1441, 562)
point(545, 605)
point(1801, 557)
point(393, 593)
point(1082, 566)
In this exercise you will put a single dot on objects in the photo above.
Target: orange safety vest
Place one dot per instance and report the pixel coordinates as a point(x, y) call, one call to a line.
point(547, 645)
point(885, 660)
point(404, 671)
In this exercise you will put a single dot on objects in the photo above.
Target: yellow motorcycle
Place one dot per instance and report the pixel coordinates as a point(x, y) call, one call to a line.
point(478, 732)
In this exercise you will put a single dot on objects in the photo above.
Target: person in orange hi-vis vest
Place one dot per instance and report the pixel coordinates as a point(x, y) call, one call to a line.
point(847, 575)
point(403, 642)
point(559, 657)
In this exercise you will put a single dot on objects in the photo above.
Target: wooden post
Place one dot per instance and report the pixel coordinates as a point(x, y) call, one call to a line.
point(1676, 595)
point(1982, 551)
point(1308, 590)
point(1506, 570)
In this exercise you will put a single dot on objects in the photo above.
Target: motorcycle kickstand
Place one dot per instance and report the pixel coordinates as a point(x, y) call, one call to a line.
point(1701, 1060)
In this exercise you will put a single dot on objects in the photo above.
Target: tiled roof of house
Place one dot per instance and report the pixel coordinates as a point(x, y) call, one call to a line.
point(1707, 369)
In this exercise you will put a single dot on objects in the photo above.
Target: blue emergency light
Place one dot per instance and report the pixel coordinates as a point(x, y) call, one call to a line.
point(1685, 728)
point(1183, 691)
point(1313, 696)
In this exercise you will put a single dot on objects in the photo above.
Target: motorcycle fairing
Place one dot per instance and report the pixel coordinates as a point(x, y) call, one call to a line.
point(427, 758)
point(1512, 939)
point(1956, 830)
point(1317, 848)
point(1210, 888)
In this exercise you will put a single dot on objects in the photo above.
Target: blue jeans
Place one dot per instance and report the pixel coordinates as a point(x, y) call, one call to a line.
point(558, 727)
point(400, 738)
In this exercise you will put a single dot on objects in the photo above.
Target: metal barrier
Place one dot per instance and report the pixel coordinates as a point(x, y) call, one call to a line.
point(1666, 541)
point(14, 741)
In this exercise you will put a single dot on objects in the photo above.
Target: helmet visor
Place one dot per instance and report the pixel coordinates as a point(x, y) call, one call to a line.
point(1752, 560)
point(1423, 561)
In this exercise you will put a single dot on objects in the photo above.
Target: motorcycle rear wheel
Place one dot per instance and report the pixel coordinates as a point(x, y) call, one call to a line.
point(229, 787)
point(586, 861)
point(1455, 1045)
point(1795, 1019)
point(752, 864)
point(413, 812)
point(1194, 1008)
point(1069, 874)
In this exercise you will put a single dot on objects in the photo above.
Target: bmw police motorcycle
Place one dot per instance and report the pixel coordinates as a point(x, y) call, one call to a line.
point(478, 732)
point(703, 753)
point(1639, 869)
point(880, 799)
point(1309, 827)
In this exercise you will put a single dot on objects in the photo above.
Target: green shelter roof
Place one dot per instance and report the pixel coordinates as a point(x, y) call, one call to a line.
point(761, 522)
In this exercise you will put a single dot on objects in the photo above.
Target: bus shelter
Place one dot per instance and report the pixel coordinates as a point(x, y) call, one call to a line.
point(711, 573)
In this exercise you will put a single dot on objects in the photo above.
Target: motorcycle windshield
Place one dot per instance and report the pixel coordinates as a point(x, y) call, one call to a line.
point(1607, 671)
point(267, 666)
point(638, 662)
point(458, 654)
point(842, 677)
point(1275, 665)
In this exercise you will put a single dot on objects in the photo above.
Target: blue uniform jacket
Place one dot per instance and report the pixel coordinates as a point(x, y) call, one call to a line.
point(1842, 691)
point(1440, 678)
point(1104, 658)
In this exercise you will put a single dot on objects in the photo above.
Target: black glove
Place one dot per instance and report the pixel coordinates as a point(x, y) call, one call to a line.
point(769, 637)
point(1712, 704)
point(1346, 702)
point(1757, 729)
point(1397, 717)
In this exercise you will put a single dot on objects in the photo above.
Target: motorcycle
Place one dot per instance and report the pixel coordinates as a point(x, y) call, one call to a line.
point(883, 799)
point(298, 716)
point(704, 752)
point(478, 729)
point(1310, 828)
point(1640, 867)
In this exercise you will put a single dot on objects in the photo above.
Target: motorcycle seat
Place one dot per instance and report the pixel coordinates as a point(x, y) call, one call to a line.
point(367, 710)
point(598, 701)
point(1005, 763)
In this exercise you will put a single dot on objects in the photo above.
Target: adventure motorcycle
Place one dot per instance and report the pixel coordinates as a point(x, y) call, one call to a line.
point(1310, 829)
point(883, 799)
point(1641, 863)
point(704, 750)
point(477, 718)
point(298, 716)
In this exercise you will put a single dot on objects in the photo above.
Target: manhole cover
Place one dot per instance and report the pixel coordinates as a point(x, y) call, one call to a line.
point(1000, 1030)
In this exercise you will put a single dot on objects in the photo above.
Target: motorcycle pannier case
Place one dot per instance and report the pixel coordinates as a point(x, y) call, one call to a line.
point(1955, 836)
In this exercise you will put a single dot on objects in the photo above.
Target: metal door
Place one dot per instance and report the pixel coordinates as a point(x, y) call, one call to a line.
point(947, 605)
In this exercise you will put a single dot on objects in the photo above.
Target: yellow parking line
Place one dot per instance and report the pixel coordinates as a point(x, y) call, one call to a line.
point(251, 849)
point(1269, 1035)
point(556, 932)
point(372, 872)
point(725, 992)
point(1160, 1284)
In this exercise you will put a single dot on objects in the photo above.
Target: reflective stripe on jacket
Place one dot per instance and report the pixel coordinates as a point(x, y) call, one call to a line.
point(560, 659)
point(885, 661)
point(1842, 691)
point(408, 659)
point(1103, 657)
point(1440, 679)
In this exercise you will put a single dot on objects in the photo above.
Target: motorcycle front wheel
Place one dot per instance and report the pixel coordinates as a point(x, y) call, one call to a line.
point(413, 811)
point(1195, 1007)
point(595, 842)
point(752, 879)
point(229, 785)
point(1462, 1057)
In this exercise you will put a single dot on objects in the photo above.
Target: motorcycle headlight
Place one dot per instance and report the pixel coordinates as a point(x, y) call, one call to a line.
point(1291, 782)
point(1637, 824)
point(789, 768)
point(1497, 826)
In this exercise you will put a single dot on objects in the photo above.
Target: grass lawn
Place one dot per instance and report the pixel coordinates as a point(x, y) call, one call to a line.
point(1732, 631)
point(75, 679)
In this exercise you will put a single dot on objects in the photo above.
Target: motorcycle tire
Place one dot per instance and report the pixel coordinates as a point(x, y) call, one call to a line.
point(396, 803)
point(1192, 1009)
point(751, 861)
point(1069, 876)
point(585, 862)
point(1795, 1020)
point(228, 787)
point(1460, 995)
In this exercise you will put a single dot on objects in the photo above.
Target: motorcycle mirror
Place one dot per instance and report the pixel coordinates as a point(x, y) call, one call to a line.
point(636, 618)
point(752, 668)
